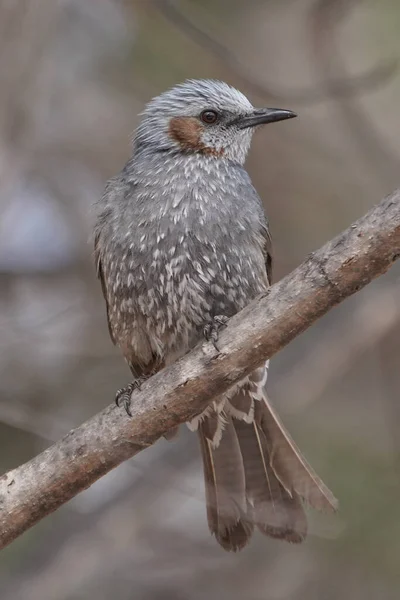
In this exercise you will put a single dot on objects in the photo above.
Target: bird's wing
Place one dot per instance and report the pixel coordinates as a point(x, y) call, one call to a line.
point(100, 275)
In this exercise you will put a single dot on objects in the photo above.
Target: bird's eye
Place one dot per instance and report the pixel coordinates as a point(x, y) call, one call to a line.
point(209, 116)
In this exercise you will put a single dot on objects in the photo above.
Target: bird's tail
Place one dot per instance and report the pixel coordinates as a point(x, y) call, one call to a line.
point(254, 473)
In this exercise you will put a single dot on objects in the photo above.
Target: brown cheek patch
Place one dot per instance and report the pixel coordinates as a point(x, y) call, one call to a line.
point(187, 132)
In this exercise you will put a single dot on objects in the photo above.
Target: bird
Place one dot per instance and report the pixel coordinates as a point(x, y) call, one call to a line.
point(181, 244)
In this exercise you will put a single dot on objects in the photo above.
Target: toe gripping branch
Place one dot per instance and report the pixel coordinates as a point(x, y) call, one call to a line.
point(211, 330)
point(124, 396)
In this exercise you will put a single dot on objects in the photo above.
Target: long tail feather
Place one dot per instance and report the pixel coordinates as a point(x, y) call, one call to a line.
point(287, 462)
point(225, 486)
point(275, 512)
point(254, 472)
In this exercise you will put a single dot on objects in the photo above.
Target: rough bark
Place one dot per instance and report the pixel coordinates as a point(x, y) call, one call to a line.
point(344, 265)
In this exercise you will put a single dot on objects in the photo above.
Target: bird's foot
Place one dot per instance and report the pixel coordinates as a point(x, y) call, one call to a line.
point(124, 395)
point(211, 330)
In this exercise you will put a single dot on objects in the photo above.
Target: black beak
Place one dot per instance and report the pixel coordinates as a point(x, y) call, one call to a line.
point(264, 115)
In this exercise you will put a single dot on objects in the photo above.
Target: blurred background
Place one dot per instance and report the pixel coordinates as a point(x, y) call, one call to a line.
point(73, 76)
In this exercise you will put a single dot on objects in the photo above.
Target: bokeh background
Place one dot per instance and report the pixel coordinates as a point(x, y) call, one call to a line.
point(73, 76)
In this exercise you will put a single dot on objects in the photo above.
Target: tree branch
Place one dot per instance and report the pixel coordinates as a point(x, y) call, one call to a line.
point(340, 268)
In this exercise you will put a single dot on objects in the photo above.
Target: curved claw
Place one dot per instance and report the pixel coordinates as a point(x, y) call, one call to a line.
point(211, 330)
point(127, 405)
point(124, 395)
point(123, 398)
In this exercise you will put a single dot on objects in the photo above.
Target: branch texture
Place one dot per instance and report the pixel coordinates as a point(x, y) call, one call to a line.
point(340, 268)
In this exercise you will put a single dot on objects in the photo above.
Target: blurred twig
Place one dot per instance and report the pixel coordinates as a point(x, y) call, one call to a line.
point(340, 87)
point(110, 534)
point(324, 18)
point(44, 425)
point(331, 358)
point(342, 267)
point(32, 24)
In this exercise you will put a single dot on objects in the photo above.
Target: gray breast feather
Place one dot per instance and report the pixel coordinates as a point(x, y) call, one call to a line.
point(174, 255)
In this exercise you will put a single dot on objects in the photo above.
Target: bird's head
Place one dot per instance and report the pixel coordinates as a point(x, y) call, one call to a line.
point(203, 116)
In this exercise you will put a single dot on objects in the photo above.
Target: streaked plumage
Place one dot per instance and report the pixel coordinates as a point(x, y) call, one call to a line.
point(181, 238)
